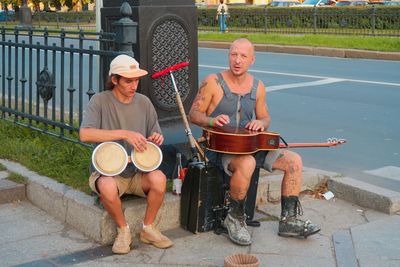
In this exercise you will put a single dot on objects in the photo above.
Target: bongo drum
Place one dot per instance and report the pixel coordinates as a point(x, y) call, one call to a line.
point(148, 160)
point(110, 158)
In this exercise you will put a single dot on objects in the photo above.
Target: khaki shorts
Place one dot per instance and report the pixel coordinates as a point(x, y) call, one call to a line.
point(130, 185)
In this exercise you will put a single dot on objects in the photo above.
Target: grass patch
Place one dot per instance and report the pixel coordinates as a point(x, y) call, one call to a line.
point(2, 168)
point(15, 177)
point(384, 44)
point(64, 161)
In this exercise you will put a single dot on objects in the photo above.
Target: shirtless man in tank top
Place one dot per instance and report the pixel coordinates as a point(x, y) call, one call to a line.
point(235, 98)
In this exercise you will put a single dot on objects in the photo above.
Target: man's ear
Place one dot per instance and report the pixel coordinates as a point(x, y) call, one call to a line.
point(114, 80)
point(253, 60)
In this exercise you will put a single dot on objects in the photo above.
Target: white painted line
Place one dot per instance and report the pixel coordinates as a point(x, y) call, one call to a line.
point(307, 76)
point(307, 84)
point(391, 172)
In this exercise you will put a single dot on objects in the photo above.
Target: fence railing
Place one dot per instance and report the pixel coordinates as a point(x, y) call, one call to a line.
point(48, 76)
point(371, 20)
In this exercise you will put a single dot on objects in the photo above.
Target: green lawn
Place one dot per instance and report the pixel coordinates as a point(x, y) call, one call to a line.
point(65, 161)
point(388, 44)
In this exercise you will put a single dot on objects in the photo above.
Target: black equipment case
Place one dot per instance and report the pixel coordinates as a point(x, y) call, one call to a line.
point(202, 197)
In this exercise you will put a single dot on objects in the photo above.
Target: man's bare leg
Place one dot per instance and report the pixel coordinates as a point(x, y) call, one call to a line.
point(291, 164)
point(109, 197)
point(242, 168)
point(154, 184)
point(112, 203)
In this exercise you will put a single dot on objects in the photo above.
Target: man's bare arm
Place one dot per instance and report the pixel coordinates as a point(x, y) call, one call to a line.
point(198, 111)
point(263, 119)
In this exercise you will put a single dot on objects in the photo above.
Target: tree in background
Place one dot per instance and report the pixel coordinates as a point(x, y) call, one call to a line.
point(5, 3)
point(76, 4)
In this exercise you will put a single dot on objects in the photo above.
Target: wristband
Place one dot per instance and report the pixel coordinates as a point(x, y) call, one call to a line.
point(211, 122)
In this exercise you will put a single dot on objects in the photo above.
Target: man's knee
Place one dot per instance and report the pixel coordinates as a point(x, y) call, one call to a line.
point(245, 164)
point(157, 181)
point(107, 188)
point(290, 161)
point(295, 161)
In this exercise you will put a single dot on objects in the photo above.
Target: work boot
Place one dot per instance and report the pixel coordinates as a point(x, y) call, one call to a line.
point(289, 225)
point(122, 243)
point(151, 235)
point(235, 222)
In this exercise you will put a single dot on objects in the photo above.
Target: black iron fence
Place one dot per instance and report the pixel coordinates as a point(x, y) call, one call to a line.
point(47, 77)
point(370, 20)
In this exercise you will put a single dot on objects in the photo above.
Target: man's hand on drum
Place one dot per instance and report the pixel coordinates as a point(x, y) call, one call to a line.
point(156, 138)
point(137, 140)
point(255, 125)
point(220, 120)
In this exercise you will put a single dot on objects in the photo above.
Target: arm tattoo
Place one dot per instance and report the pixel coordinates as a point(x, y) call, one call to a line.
point(200, 97)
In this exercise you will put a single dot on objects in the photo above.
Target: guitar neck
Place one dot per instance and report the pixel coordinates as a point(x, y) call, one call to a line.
point(294, 145)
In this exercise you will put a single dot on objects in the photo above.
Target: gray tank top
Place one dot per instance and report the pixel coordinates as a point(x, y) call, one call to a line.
point(239, 108)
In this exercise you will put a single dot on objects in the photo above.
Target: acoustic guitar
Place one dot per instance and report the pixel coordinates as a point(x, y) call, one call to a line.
point(232, 140)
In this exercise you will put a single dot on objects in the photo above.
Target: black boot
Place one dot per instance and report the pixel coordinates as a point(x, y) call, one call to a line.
point(235, 223)
point(289, 225)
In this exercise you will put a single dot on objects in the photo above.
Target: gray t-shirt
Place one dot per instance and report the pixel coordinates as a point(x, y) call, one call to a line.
point(104, 111)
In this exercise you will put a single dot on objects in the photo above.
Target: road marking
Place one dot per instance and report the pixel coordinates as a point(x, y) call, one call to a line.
point(307, 84)
point(307, 76)
point(391, 172)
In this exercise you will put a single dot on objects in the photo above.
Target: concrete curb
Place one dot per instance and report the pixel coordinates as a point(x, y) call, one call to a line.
point(310, 50)
point(365, 195)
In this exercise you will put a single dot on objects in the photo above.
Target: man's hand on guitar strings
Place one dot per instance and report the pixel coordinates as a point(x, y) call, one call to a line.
point(255, 125)
point(220, 120)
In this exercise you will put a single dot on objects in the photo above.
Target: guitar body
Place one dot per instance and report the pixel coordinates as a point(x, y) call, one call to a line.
point(232, 140)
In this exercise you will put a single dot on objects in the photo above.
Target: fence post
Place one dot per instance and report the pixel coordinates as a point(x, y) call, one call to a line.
point(125, 30)
point(315, 19)
point(373, 19)
point(265, 20)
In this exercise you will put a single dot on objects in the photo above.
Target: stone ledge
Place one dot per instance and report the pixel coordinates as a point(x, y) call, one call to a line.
point(79, 210)
point(365, 195)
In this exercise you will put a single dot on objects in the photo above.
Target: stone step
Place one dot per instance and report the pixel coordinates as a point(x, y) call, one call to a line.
point(365, 194)
point(11, 191)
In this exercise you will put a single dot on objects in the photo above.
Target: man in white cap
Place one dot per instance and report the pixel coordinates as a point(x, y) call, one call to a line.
point(122, 115)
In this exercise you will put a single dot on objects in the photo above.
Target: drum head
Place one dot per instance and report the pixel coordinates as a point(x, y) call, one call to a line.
point(110, 158)
point(149, 160)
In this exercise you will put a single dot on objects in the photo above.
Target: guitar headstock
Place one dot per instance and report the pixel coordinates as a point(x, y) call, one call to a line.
point(335, 141)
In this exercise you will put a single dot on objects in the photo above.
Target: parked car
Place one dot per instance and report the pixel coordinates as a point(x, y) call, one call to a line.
point(284, 3)
point(352, 3)
point(391, 3)
point(318, 3)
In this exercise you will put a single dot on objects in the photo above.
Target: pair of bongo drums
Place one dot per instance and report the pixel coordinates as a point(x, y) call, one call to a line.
point(111, 159)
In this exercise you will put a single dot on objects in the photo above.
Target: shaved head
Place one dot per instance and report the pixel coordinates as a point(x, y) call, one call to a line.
point(242, 41)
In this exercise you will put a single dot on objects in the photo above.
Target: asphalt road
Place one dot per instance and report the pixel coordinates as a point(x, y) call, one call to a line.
point(314, 98)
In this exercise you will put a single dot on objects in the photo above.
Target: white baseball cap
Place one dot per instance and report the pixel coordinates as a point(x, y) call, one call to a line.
point(126, 66)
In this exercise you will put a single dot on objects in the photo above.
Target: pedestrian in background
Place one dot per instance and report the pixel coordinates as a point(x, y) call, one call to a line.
point(222, 15)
